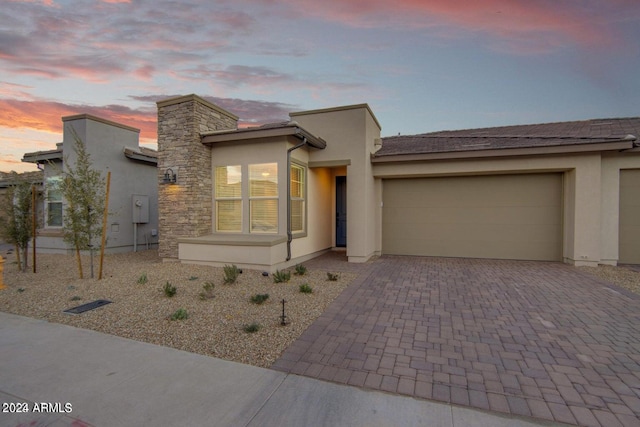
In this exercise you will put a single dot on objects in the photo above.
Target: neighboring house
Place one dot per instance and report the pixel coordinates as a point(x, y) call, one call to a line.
point(133, 212)
point(272, 196)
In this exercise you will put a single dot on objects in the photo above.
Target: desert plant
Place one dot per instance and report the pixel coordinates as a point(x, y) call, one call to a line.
point(300, 270)
point(207, 291)
point(306, 289)
point(83, 188)
point(180, 314)
point(16, 217)
point(169, 289)
point(143, 279)
point(259, 298)
point(231, 273)
point(332, 276)
point(252, 327)
point(281, 276)
point(192, 278)
point(75, 298)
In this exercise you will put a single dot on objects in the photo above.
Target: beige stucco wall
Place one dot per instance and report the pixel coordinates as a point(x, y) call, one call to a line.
point(319, 214)
point(590, 194)
point(612, 163)
point(350, 133)
point(317, 237)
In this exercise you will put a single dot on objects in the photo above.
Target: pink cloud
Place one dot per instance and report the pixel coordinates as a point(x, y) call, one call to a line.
point(542, 24)
point(47, 115)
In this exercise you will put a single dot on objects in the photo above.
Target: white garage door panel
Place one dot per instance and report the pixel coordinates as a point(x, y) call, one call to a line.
point(506, 216)
point(629, 238)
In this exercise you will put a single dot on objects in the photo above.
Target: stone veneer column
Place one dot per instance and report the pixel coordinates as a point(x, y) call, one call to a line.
point(185, 208)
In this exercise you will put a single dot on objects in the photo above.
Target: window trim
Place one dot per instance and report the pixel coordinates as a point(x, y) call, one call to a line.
point(276, 198)
point(218, 199)
point(53, 181)
point(303, 167)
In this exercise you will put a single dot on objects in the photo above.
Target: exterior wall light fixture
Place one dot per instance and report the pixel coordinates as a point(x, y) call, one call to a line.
point(169, 177)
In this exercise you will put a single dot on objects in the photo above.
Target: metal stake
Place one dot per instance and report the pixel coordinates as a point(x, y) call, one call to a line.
point(283, 317)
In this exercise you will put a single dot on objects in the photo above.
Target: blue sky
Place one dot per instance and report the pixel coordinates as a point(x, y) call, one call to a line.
point(422, 65)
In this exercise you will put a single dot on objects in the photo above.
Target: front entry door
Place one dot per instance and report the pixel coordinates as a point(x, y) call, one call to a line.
point(341, 211)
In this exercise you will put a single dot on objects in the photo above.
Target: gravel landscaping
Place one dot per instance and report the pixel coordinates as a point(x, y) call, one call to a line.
point(216, 323)
point(141, 311)
point(624, 276)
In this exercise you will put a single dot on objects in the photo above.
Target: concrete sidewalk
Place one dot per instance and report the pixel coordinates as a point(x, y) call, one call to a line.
point(90, 378)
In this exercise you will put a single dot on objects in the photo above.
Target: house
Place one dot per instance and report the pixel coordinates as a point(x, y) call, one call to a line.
point(133, 213)
point(271, 196)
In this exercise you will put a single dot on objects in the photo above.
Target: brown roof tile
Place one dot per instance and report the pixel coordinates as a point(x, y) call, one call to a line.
point(505, 137)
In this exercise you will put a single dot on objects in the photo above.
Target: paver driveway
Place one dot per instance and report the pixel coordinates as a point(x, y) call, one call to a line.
point(536, 339)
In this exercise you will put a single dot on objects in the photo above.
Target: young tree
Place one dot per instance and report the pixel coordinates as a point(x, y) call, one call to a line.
point(16, 222)
point(83, 188)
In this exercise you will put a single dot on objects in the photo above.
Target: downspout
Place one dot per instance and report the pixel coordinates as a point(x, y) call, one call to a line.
point(289, 233)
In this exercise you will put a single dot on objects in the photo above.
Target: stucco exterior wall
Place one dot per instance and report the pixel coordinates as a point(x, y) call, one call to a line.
point(320, 217)
point(612, 163)
point(590, 185)
point(317, 236)
point(350, 133)
point(105, 142)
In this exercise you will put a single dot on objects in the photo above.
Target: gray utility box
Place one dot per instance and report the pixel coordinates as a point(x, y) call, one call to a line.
point(140, 206)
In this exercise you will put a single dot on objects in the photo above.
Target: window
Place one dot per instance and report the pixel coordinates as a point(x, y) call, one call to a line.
point(298, 192)
point(228, 195)
point(54, 202)
point(263, 198)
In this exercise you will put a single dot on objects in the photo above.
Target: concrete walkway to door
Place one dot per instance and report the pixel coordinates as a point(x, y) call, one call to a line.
point(536, 339)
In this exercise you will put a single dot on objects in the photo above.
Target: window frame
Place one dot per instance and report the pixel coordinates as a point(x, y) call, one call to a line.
point(51, 182)
point(220, 199)
point(255, 199)
point(303, 198)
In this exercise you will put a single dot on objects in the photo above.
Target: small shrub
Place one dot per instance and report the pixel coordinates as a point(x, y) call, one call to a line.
point(281, 276)
point(306, 289)
point(75, 298)
point(143, 279)
point(332, 277)
point(192, 278)
point(21, 289)
point(300, 270)
point(180, 314)
point(231, 273)
point(169, 290)
point(259, 298)
point(251, 328)
point(207, 292)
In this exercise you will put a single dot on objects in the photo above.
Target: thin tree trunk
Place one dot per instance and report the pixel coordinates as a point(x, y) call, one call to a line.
point(18, 257)
point(79, 261)
point(25, 251)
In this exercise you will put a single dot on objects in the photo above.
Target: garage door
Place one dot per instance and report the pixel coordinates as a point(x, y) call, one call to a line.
point(497, 216)
point(629, 240)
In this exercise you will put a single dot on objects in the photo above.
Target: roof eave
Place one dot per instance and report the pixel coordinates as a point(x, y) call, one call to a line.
point(258, 133)
point(506, 152)
point(42, 156)
point(135, 155)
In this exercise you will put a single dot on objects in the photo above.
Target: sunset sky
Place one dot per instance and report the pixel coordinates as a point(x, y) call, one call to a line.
point(422, 65)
